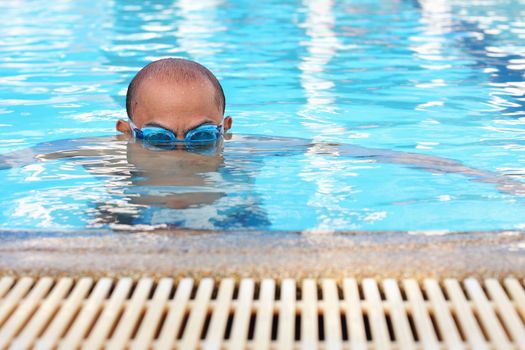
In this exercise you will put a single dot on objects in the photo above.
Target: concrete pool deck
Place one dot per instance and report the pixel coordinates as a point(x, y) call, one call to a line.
point(275, 255)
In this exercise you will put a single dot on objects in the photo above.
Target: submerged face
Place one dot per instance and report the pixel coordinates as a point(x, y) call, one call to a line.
point(173, 169)
point(176, 106)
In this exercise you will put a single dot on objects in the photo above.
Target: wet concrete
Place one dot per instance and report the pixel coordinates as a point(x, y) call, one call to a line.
point(263, 254)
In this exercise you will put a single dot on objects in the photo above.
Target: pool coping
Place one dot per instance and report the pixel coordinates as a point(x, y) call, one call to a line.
point(263, 254)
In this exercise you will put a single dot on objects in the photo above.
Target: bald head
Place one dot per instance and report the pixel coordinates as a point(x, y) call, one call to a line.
point(178, 71)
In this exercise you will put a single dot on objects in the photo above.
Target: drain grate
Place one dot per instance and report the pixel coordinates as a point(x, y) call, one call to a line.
point(64, 313)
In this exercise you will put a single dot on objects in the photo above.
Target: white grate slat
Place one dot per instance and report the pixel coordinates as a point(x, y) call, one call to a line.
point(376, 315)
point(265, 312)
point(5, 285)
point(398, 313)
point(354, 316)
point(309, 315)
point(422, 321)
point(332, 315)
point(219, 319)
point(242, 314)
point(197, 315)
point(286, 323)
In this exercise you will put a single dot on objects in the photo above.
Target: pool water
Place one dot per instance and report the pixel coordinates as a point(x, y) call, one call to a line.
point(354, 115)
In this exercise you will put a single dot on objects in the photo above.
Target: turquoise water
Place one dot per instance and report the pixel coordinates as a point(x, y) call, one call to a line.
point(384, 80)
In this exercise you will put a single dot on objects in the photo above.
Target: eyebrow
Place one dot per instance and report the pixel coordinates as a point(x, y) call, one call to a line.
point(157, 125)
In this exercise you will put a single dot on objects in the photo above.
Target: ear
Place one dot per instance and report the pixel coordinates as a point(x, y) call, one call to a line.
point(123, 126)
point(227, 123)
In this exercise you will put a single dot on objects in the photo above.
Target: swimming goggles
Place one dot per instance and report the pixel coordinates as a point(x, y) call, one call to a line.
point(157, 135)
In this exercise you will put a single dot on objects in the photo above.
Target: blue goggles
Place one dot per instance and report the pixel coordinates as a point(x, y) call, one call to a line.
point(156, 135)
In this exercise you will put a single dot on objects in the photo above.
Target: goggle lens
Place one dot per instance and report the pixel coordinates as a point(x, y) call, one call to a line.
point(203, 135)
point(158, 137)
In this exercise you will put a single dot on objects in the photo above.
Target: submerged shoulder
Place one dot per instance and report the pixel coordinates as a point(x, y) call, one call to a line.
point(57, 149)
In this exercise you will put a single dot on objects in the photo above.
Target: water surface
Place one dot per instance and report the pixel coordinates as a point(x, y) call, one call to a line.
point(441, 79)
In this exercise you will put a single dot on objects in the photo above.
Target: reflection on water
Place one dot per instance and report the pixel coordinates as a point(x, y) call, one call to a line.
point(197, 29)
point(321, 47)
point(167, 188)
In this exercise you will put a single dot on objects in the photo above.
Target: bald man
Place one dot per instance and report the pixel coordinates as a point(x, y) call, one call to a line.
point(173, 101)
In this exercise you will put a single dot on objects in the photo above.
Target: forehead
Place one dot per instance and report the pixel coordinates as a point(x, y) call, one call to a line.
point(166, 95)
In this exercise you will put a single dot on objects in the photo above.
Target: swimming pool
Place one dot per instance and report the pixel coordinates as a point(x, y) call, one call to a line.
point(384, 81)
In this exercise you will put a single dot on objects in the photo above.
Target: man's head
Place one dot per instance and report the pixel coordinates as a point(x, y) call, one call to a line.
point(175, 94)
